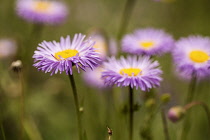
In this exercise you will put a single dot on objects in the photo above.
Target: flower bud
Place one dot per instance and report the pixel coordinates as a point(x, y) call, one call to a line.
point(16, 66)
point(176, 113)
point(165, 98)
point(150, 103)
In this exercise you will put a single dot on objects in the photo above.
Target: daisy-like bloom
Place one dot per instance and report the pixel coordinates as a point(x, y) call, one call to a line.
point(93, 78)
point(147, 42)
point(62, 56)
point(8, 48)
point(139, 72)
point(100, 45)
point(42, 11)
point(191, 56)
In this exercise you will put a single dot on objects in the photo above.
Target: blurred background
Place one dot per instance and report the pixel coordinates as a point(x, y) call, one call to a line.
point(49, 104)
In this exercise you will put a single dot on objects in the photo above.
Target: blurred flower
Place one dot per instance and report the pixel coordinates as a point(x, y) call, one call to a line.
point(8, 47)
point(113, 47)
point(147, 42)
point(191, 56)
point(103, 45)
point(93, 78)
point(139, 72)
point(176, 113)
point(62, 56)
point(42, 11)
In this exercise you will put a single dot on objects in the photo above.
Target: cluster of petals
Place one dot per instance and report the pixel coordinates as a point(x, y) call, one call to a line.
point(42, 11)
point(139, 72)
point(191, 56)
point(148, 41)
point(64, 55)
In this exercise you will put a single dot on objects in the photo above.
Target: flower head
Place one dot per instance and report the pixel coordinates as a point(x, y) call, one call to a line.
point(147, 42)
point(42, 11)
point(139, 72)
point(191, 56)
point(62, 56)
point(8, 47)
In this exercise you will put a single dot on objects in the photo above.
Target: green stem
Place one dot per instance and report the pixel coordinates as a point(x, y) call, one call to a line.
point(76, 101)
point(187, 120)
point(126, 17)
point(203, 105)
point(191, 90)
point(130, 113)
point(165, 124)
point(22, 104)
point(3, 133)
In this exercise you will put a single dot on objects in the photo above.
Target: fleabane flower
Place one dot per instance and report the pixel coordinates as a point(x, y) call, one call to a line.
point(8, 48)
point(147, 41)
point(139, 72)
point(191, 56)
point(42, 11)
point(62, 56)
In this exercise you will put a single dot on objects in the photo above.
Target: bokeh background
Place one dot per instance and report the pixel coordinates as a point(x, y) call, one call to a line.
point(49, 104)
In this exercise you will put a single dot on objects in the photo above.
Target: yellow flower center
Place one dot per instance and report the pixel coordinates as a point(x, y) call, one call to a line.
point(198, 56)
point(65, 54)
point(42, 6)
point(147, 44)
point(130, 71)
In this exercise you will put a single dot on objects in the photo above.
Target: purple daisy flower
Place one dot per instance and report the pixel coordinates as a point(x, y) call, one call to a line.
point(42, 11)
point(62, 56)
point(191, 56)
point(139, 72)
point(147, 42)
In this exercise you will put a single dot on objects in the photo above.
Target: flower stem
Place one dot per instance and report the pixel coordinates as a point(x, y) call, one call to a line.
point(22, 104)
point(76, 101)
point(130, 113)
point(203, 105)
point(191, 90)
point(186, 123)
point(165, 124)
point(3, 133)
point(126, 17)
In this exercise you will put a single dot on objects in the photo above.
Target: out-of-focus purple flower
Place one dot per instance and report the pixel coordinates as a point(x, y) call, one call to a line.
point(139, 72)
point(191, 56)
point(8, 48)
point(103, 45)
point(147, 41)
point(93, 78)
point(62, 56)
point(42, 11)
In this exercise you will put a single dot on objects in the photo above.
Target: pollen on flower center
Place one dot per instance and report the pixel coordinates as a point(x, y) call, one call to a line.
point(42, 6)
point(147, 44)
point(65, 54)
point(130, 71)
point(198, 56)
